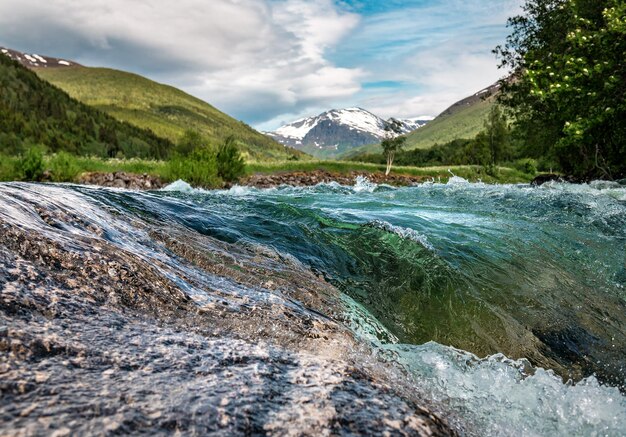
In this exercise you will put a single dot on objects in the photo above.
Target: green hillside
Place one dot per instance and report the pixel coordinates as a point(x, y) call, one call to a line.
point(464, 119)
point(465, 122)
point(165, 110)
point(34, 112)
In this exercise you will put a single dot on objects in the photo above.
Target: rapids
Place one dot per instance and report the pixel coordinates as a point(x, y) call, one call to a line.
point(499, 308)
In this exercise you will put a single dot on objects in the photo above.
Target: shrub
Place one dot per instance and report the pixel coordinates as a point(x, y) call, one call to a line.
point(199, 168)
point(526, 165)
point(8, 168)
point(64, 167)
point(230, 164)
point(31, 165)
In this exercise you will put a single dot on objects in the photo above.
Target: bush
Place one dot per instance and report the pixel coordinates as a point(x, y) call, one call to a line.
point(230, 165)
point(526, 165)
point(31, 165)
point(199, 168)
point(64, 167)
point(8, 168)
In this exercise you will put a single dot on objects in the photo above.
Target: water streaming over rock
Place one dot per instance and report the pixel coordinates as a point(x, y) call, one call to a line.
point(337, 309)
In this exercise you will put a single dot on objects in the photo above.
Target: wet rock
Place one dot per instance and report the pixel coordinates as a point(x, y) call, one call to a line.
point(121, 179)
point(322, 176)
point(175, 333)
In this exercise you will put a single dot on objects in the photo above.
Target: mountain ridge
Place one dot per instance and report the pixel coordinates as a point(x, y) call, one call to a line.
point(336, 131)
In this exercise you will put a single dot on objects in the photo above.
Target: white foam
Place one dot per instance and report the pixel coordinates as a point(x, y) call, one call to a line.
point(406, 233)
point(179, 186)
point(501, 396)
point(363, 184)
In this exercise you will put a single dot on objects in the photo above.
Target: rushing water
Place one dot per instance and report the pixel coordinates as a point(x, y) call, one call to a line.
point(505, 305)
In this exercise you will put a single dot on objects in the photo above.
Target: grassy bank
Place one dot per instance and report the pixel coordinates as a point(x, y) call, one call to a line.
point(11, 169)
point(470, 172)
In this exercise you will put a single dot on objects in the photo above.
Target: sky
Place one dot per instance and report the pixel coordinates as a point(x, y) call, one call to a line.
point(269, 62)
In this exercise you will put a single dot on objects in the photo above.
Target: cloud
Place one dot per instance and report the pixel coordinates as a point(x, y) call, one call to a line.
point(253, 59)
point(266, 61)
point(437, 52)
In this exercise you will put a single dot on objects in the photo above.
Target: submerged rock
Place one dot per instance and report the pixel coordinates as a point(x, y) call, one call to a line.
point(116, 325)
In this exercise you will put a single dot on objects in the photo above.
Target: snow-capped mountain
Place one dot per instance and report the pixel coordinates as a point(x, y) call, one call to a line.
point(338, 130)
point(32, 60)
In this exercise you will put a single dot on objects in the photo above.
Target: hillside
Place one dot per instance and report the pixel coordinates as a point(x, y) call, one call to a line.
point(464, 119)
point(164, 109)
point(34, 112)
point(338, 131)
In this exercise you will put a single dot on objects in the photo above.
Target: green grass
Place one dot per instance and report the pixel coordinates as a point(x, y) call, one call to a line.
point(469, 172)
point(8, 169)
point(165, 110)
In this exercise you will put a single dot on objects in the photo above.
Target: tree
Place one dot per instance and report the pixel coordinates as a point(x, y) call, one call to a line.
point(568, 92)
point(496, 135)
point(230, 164)
point(189, 141)
point(392, 143)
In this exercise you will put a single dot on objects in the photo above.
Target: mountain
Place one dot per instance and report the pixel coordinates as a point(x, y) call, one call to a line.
point(36, 61)
point(464, 119)
point(163, 109)
point(32, 111)
point(338, 131)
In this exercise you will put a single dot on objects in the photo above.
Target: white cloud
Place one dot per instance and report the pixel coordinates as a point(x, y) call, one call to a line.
point(236, 54)
point(264, 61)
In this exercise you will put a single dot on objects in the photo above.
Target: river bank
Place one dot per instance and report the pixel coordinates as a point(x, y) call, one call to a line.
point(295, 178)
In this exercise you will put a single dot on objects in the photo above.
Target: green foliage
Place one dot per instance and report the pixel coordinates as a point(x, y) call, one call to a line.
point(496, 135)
point(190, 141)
point(8, 168)
point(31, 164)
point(569, 93)
point(230, 164)
point(526, 165)
point(34, 112)
point(199, 168)
point(166, 111)
point(63, 167)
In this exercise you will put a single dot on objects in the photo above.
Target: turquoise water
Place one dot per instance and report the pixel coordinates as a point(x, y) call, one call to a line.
point(505, 306)
point(515, 271)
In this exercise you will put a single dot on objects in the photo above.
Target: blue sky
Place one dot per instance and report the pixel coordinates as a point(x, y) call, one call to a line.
point(271, 61)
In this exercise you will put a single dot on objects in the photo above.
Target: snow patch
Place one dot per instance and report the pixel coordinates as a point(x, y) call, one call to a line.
point(64, 63)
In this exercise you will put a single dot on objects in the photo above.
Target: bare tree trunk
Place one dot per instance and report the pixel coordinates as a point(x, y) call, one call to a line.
point(389, 162)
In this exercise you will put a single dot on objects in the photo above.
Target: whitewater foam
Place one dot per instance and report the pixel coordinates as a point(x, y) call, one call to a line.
point(406, 233)
point(363, 184)
point(179, 186)
point(510, 397)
